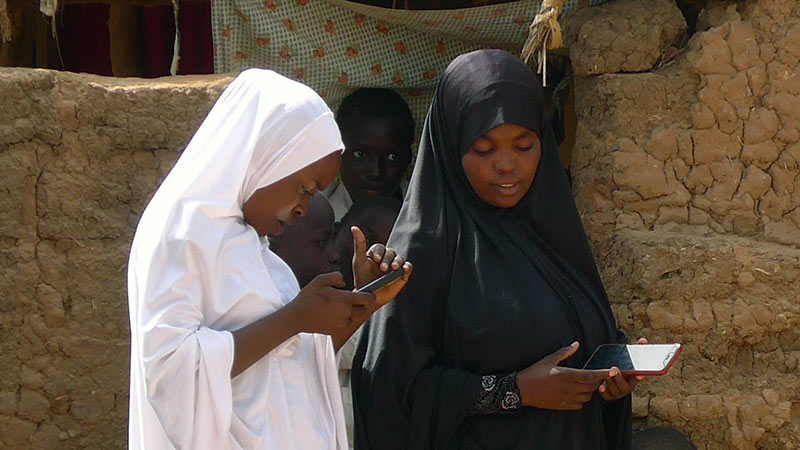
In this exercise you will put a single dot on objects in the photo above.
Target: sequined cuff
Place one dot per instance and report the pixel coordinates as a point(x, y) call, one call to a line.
point(499, 394)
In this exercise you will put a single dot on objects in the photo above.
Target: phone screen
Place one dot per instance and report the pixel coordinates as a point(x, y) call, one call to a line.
point(634, 357)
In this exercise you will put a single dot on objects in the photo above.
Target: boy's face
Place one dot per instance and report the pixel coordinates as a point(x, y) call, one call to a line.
point(306, 245)
point(376, 156)
point(376, 224)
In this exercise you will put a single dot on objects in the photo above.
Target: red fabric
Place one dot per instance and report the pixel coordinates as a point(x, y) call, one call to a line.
point(86, 45)
point(197, 45)
point(84, 38)
point(158, 36)
point(196, 42)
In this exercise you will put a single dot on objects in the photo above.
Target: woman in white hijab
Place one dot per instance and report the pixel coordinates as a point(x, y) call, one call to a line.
point(226, 351)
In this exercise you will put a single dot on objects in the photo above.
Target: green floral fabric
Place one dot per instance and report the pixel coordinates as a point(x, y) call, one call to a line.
point(335, 46)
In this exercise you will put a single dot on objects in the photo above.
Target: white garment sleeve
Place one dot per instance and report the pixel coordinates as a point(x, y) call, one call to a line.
point(348, 350)
point(187, 375)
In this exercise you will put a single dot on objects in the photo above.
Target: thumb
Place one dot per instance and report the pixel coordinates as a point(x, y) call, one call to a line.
point(332, 279)
point(360, 298)
point(563, 353)
point(359, 245)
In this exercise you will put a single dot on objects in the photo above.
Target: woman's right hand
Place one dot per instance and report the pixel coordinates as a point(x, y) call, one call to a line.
point(323, 306)
point(546, 385)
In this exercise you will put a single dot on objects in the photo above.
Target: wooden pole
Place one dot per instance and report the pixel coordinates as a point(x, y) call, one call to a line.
point(42, 37)
point(123, 32)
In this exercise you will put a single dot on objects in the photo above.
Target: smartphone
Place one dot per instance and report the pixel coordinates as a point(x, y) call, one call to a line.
point(382, 281)
point(635, 359)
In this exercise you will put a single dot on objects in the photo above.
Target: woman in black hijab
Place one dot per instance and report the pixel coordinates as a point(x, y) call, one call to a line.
point(505, 282)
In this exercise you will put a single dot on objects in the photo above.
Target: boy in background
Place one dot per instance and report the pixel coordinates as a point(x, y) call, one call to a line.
point(377, 130)
point(305, 245)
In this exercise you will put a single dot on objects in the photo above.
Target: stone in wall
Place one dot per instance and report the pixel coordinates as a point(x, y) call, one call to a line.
point(600, 43)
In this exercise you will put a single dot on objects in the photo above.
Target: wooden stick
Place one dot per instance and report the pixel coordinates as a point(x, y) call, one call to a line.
point(41, 41)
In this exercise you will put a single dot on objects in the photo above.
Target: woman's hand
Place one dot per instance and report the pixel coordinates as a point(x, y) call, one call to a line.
point(323, 307)
point(546, 385)
point(619, 386)
point(370, 264)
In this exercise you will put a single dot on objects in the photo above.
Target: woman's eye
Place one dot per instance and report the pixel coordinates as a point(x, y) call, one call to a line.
point(359, 154)
point(393, 157)
point(482, 151)
point(524, 148)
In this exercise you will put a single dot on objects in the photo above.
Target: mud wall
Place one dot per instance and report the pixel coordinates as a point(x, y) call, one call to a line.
point(79, 158)
point(685, 171)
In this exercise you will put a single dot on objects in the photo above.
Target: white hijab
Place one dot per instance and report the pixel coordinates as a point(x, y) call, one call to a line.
point(197, 272)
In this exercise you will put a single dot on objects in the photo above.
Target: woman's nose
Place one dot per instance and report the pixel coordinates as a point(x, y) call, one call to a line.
point(505, 164)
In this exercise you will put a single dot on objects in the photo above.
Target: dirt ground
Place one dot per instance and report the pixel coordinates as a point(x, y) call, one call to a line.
point(685, 170)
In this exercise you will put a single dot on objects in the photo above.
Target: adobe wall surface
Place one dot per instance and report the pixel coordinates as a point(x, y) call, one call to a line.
point(79, 158)
point(686, 174)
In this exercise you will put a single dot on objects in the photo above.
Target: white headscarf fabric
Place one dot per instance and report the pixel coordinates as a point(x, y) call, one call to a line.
point(198, 272)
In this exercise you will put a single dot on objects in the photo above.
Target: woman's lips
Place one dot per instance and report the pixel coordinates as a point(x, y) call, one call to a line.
point(507, 188)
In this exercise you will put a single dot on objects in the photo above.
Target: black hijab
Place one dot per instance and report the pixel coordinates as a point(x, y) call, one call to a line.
point(493, 290)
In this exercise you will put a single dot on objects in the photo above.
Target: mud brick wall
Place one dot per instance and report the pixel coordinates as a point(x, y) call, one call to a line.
point(709, 141)
point(79, 158)
point(686, 174)
point(685, 171)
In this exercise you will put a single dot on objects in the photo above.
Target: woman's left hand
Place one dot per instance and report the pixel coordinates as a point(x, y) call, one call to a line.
point(620, 386)
point(370, 264)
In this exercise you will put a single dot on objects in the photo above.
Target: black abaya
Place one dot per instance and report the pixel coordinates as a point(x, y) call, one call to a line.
point(493, 290)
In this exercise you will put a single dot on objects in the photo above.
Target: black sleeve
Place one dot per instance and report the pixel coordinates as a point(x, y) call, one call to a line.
point(498, 394)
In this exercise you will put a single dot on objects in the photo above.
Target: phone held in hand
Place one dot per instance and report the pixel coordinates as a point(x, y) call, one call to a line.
point(382, 281)
point(635, 359)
